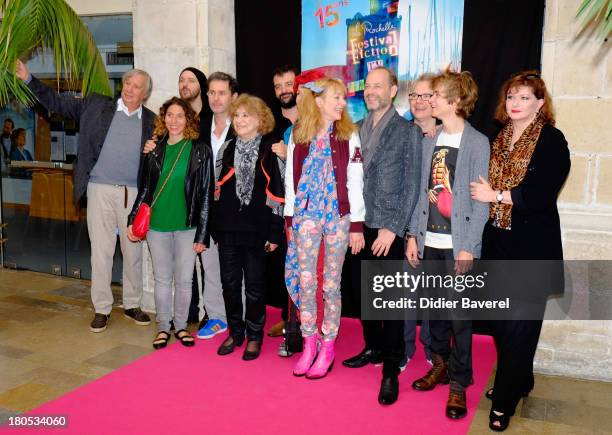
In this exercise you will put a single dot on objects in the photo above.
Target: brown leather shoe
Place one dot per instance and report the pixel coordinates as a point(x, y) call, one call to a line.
point(438, 374)
point(277, 329)
point(455, 407)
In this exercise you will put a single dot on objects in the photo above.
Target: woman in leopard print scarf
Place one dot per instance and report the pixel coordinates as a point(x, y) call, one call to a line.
point(529, 164)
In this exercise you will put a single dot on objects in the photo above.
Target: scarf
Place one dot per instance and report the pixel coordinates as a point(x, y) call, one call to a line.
point(370, 134)
point(245, 159)
point(316, 199)
point(508, 168)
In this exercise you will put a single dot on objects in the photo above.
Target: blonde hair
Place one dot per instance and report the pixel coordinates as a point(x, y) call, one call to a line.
point(256, 107)
point(310, 121)
point(459, 87)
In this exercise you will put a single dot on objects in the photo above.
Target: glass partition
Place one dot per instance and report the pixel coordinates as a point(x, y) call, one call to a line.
point(43, 229)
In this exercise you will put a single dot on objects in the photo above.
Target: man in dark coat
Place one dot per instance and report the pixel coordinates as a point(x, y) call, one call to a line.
point(107, 169)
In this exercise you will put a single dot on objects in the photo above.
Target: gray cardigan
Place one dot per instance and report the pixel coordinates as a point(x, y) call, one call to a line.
point(391, 179)
point(468, 216)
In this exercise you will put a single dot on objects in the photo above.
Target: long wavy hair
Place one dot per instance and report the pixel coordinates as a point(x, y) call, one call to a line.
point(310, 121)
point(192, 129)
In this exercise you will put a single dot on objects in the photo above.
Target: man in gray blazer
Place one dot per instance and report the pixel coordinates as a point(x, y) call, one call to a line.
point(391, 150)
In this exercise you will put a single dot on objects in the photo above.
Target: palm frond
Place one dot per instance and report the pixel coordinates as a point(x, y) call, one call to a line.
point(29, 24)
point(598, 13)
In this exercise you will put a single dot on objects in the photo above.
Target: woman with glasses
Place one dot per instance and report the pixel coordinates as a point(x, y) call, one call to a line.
point(324, 203)
point(446, 226)
point(529, 163)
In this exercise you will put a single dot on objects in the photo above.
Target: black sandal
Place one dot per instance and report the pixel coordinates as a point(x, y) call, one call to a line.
point(503, 420)
point(185, 339)
point(161, 340)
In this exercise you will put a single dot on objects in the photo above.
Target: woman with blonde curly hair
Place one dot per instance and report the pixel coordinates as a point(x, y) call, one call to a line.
point(176, 181)
point(246, 221)
point(324, 202)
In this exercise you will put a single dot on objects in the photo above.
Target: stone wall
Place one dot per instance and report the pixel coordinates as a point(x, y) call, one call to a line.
point(578, 72)
point(171, 35)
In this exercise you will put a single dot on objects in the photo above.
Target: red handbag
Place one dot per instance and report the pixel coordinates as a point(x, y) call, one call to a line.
point(140, 226)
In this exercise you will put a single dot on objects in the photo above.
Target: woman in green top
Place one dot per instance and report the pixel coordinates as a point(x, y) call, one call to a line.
point(177, 181)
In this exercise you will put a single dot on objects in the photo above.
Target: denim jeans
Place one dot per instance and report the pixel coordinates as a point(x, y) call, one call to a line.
point(173, 259)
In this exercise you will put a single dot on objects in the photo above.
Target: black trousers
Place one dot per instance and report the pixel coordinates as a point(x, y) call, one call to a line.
point(235, 262)
point(457, 330)
point(516, 340)
point(387, 335)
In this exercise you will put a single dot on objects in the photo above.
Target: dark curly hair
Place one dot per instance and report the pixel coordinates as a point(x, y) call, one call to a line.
point(192, 129)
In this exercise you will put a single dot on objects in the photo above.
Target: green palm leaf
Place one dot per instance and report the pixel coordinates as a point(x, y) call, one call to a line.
point(29, 24)
point(598, 12)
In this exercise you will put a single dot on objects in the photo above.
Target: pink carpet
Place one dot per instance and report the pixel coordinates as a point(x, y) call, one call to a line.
point(193, 390)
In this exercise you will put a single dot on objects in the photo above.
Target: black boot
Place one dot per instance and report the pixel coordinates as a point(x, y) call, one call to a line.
point(389, 390)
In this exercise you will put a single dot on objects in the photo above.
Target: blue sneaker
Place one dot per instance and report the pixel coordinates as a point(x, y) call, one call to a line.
point(212, 328)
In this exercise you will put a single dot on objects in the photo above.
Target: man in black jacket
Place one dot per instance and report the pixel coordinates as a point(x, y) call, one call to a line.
point(109, 160)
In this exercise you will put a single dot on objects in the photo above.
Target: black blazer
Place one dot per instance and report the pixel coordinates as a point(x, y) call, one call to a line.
point(205, 129)
point(257, 217)
point(536, 228)
point(198, 186)
point(94, 114)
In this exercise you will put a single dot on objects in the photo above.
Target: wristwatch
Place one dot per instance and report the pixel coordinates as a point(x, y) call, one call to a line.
point(499, 197)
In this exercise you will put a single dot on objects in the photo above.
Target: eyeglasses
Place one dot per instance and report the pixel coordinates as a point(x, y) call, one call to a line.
point(415, 96)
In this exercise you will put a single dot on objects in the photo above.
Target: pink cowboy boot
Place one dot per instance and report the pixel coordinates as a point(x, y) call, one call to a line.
point(308, 355)
point(324, 362)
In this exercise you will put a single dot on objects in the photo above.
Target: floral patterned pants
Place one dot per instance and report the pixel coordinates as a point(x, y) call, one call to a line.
point(308, 241)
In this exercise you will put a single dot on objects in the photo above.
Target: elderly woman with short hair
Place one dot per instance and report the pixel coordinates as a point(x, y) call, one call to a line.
point(246, 221)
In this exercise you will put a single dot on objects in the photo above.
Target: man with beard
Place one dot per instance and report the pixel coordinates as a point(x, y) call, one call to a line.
point(283, 79)
point(391, 158)
point(191, 83)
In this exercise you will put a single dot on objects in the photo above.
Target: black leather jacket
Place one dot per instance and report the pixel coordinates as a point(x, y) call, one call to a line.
point(198, 186)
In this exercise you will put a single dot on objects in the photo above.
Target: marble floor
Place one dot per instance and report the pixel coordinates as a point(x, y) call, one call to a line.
point(46, 350)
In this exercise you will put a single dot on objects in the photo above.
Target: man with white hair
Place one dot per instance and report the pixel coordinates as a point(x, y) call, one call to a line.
point(108, 165)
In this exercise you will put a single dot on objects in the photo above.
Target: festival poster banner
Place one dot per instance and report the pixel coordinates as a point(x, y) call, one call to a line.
point(347, 38)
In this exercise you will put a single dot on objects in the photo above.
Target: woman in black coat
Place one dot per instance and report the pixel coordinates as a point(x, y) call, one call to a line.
point(246, 221)
point(529, 163)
